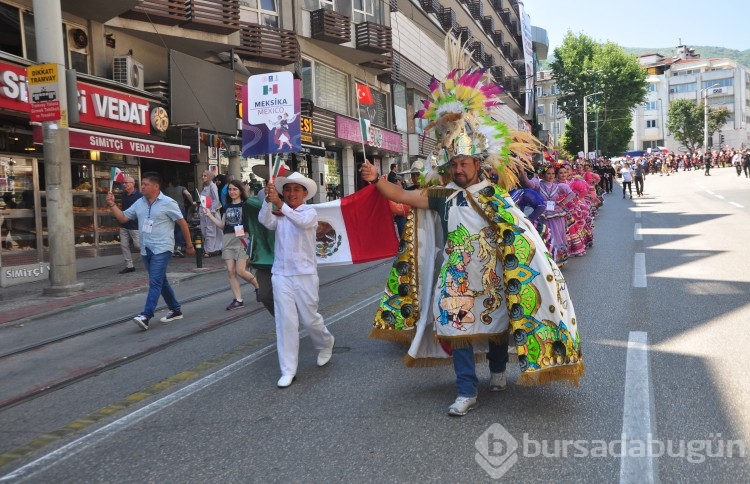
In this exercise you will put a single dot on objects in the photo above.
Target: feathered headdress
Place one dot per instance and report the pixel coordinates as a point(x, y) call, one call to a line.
point(464, 112)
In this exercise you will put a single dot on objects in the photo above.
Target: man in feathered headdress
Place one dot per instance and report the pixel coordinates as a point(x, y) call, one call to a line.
point(471, 269)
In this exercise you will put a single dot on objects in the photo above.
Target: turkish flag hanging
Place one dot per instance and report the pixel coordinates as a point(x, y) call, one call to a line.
point(364, 96)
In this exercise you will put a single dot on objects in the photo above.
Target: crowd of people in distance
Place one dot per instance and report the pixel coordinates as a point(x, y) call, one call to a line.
point(564, 199)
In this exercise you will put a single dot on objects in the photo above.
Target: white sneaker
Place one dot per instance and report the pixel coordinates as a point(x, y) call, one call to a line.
point(324, 356)
point(285, 381)
point(498, 382)
point(462, 405)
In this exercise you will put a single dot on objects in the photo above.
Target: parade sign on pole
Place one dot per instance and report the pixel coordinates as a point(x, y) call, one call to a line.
point(271, 114)
point(44, 92)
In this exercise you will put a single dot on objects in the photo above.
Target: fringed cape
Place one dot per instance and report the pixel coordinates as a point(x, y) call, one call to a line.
point(542, 322)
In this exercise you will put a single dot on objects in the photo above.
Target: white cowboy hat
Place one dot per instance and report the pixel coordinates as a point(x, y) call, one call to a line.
point(299, 179)
point(262, 171)
point(416, 167)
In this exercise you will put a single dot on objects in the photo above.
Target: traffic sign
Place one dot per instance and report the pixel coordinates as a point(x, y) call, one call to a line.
point(44, 92)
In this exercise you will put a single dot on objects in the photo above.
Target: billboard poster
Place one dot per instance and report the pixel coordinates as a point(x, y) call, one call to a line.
point(271, 114)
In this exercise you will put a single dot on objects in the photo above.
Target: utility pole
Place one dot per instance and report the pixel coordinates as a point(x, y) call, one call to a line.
point(61, 238)
point(586, 125)
point(705, 117)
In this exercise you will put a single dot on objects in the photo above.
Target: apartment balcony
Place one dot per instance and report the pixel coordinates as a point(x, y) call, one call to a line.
point(381, 62)
point(477, 51)
point(268, 44)
point(464, 35)
point(497, 5)
point(498, 72)
point(161, 12)
point(476, 9)
point(448, 20)
point(489, 60)
point(430, 6)
point(330, 26)
point(506, 50)
point(374, 37)
point(215, 16)
point(497, 37)
point(488, 24)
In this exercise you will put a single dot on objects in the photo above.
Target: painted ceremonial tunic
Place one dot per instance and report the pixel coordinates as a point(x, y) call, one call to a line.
point(494, 278)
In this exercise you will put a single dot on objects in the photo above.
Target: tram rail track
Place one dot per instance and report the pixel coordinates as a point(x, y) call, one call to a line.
point(103, 368)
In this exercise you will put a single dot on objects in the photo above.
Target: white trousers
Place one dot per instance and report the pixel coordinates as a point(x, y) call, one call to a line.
point(295, 300)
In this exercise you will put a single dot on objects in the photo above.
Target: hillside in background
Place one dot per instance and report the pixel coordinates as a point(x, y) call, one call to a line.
point(706, 52)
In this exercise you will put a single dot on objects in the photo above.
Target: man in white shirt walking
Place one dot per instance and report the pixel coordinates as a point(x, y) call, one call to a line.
point(294, 272)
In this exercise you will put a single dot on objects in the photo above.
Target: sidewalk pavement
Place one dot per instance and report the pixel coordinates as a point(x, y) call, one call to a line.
point(26, 302)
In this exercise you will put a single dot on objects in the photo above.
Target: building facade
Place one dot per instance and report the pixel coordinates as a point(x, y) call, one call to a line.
point(720, 82)
point(158, 86)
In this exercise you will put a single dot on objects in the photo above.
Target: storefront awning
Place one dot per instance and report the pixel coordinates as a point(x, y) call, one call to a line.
point(81, 139)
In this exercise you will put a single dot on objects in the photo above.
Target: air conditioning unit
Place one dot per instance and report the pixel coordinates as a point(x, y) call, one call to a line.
point(127, 71)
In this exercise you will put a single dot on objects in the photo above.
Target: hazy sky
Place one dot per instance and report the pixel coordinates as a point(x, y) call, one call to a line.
point(646, 23)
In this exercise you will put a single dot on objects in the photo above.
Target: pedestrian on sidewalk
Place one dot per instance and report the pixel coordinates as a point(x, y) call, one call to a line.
point(639, 172)
point(184, 199)
point(129, 229)
point(627, 179)
point(210, 199)
point(707, 160)
point(235, 241)
point(295, 272)
point(156, 215)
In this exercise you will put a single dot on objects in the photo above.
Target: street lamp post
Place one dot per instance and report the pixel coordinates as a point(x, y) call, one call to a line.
point(586, 124)
point(705, 117)
point(663, 128)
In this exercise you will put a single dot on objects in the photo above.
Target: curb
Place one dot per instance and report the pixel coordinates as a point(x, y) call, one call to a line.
point(61, 305)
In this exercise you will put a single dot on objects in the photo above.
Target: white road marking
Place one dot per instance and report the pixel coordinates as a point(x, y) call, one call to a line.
point(637, 426)
point(736, 205)
point(637, 232)
point(79, 445)
point(639, 270)
point(719, 196)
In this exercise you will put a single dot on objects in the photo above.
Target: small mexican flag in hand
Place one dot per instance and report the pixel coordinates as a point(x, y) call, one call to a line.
point(115, 175)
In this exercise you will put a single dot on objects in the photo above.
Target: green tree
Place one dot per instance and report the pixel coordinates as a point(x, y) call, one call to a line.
point(582, 67)
point(685, 119)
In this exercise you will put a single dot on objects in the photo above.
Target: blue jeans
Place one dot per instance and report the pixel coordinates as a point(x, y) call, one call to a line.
point(156, 265)
point(465, 368)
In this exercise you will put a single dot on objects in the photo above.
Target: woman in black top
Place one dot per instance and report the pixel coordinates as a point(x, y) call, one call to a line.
point(235, 242)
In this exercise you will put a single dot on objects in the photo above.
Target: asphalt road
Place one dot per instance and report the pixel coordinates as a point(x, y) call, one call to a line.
point(661, 301)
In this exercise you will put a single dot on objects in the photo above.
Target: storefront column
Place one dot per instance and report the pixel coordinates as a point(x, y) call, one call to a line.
point(348, 167)
point(235, 162)
point(63, 276)
point(318, 167)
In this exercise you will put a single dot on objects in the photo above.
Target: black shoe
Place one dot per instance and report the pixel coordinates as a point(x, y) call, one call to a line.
point(141, 321)
point(127, 269)
point(172, 315)
point(235, 304)
point(178, 253)
point(257, 296)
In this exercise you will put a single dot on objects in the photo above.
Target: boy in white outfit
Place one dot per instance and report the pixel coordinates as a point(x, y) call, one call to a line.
point(294, 273)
